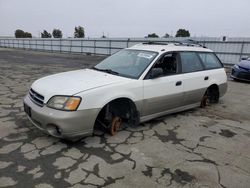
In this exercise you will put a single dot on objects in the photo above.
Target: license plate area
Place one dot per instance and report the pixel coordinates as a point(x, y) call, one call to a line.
point(27, 109)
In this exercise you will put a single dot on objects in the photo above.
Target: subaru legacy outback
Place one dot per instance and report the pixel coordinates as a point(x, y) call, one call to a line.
point(134, 85)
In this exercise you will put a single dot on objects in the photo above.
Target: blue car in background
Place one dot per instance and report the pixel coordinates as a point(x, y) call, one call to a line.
point(241, 71)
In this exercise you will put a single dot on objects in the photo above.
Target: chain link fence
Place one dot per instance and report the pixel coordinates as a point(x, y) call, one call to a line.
point(229, 50)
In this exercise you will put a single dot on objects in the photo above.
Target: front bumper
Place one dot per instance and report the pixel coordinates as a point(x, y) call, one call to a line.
point(240, 75)
point(61, 124)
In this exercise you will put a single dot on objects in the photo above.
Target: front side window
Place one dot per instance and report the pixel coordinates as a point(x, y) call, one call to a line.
point(168, 63)
point(190, 62)
point(210, 61)
point(127, 63)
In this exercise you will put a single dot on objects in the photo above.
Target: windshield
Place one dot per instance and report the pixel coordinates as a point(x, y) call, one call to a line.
point(127, 63)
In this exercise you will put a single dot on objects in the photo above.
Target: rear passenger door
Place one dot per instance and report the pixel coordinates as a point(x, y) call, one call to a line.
point(195, 81)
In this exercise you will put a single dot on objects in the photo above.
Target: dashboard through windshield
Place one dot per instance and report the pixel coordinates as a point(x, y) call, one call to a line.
point(127, 63)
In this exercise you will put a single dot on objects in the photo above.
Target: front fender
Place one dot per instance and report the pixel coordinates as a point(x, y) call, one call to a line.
point(99, 97)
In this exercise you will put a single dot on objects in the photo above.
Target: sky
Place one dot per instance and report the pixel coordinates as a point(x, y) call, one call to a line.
point(127, 18)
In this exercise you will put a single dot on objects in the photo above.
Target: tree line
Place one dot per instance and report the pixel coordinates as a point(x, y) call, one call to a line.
point(56, 33)
point(80, 33)
point(22, 34)
point(179, 33)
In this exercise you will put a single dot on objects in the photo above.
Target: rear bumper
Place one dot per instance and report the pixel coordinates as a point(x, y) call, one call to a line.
point(61, 124)
point(223, 89)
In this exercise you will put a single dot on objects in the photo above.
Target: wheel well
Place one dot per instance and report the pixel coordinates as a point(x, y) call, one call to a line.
point(124, 108)
point(214, 87)
point(213, 92)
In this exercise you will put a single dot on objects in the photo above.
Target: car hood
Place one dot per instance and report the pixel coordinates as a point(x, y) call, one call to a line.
point(73, 82)
point(244, 64)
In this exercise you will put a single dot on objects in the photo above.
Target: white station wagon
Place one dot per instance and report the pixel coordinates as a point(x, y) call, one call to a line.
point(134, 85)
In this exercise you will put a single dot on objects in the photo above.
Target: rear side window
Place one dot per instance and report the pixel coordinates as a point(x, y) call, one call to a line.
point(210, 61)
point(190, 62)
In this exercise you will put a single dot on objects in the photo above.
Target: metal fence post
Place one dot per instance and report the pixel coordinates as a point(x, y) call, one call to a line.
point(128, 42)
point(241, 50)
point(109, 47)
point(81, 45)
point(94, 46)
point(70, 46)
point(60, 45)
point(51, 48)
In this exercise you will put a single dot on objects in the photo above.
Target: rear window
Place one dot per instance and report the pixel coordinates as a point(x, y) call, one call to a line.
point(210, 61)
point(190, 62)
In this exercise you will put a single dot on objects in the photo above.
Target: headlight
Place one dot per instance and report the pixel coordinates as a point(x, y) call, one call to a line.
point(236, 66)
point(64, 103)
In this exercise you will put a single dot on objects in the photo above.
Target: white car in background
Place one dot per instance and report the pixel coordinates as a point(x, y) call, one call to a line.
point(134, 85)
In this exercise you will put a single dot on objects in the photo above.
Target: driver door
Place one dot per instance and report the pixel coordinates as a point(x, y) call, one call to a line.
point(163, 93)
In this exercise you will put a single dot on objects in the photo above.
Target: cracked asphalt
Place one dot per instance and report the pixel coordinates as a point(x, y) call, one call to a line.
point(197, 148)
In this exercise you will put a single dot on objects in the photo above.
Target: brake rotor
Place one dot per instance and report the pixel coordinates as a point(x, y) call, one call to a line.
point(205, 101)
point(115, 125)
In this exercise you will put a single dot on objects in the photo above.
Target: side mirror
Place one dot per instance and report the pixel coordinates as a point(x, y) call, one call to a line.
point(156, 72)
point(244, 58)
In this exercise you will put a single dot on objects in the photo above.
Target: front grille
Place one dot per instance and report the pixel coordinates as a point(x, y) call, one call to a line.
point(36, 97)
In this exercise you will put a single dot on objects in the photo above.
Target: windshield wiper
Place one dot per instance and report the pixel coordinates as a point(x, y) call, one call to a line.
point(110, 71)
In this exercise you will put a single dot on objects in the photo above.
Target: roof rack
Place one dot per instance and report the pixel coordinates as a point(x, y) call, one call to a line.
point(155, 42)
point(187, 42)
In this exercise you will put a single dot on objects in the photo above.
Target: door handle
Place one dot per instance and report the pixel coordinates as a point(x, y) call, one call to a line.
point(206, 78)
point(178, 83)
